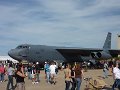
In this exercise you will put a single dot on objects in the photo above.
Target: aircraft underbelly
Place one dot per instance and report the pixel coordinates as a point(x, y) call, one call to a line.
point(45, 55)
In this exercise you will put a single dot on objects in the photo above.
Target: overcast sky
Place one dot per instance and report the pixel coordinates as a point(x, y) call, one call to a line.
point(73, 23)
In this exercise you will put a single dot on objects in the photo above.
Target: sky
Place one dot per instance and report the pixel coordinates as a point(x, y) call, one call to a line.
point(72, 23)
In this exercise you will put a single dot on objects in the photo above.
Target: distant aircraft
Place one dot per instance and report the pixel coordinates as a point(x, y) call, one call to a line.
point(44, 53)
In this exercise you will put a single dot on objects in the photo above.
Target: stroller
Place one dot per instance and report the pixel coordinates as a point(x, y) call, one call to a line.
point(94, 83)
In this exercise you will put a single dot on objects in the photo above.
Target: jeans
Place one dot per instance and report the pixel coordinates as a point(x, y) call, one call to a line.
point(67, 85)
point(48, 76)
point(10, 81)
point(1, 76)
point(78, 83)
point(116, 84)
point(38, 77)
point(73, 84)
point(29, 75)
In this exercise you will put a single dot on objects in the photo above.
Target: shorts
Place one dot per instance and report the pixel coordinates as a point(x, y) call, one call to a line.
point(32, 75)
point(52, 75)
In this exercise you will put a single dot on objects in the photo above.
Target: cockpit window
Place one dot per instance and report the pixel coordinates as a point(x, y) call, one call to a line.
point(21, 46)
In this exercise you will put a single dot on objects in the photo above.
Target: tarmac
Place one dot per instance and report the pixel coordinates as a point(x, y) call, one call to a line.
point(60, 85)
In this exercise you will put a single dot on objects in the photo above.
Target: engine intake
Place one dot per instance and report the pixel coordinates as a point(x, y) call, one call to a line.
point(93, 55)
point(101, 55)
point(104, 55)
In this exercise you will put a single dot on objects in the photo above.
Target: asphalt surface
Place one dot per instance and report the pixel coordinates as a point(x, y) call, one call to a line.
point(60, 85)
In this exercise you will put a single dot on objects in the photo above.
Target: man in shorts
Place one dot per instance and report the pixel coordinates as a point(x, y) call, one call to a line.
point(53, 73)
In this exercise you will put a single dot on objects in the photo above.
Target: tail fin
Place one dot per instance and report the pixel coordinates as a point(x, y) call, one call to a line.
point(107, 44)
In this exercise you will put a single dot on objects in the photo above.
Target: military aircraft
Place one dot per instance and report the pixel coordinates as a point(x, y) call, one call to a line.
point(42, 53)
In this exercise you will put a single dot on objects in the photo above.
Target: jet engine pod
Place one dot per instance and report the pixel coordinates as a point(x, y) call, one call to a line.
point(104, 55)
point(93, 55)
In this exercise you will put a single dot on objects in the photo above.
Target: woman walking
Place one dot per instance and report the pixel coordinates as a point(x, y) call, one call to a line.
point(67, 73)
point(78, 76)
point(10, 73)
point(20, 78)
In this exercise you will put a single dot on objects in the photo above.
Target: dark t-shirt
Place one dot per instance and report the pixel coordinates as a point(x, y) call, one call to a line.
point(29, 68)
point(37, 69)
point(72, 72)
point(19, 79)
point(33, 68)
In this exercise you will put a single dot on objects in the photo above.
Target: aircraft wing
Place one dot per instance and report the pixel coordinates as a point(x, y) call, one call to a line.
point(77, 54)
point(85, 51)
point(114, 51)
point(77, 51)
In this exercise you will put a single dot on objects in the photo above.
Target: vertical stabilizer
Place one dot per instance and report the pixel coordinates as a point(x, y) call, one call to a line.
point(107, 44)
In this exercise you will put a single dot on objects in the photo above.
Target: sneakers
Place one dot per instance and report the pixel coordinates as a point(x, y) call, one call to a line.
point(36, 82)
point(33, 82)
point(48, 82)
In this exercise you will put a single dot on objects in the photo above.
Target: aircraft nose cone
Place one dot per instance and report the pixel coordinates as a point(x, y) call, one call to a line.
point(14, 54)
point(11, 53)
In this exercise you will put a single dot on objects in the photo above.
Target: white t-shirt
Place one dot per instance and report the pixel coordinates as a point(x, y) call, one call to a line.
point(116, 72)
point(52, 69)
point(10, 71)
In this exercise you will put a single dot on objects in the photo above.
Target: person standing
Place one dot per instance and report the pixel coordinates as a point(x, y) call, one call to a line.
point(53, 73)
point(20, 78)
point(29, 71)
point(37, 72)
point(10, 73)
point(33, 73)
point(116, 76)
point(2, 72)
point(67, 73)
point(47, 72)
point(78, 76)
point(73, 81)
point(45, 66)
point(105, 69)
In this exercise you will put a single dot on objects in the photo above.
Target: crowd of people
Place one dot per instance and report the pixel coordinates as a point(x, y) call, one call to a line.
point(31, 71)
point(73, 74)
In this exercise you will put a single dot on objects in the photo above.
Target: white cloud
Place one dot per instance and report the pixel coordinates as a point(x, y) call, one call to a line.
point(59, 22)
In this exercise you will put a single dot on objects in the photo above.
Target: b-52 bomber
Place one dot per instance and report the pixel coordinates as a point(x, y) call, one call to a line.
point(42, 53)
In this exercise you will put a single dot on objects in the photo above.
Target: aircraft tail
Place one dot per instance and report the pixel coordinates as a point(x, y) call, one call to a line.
point(107, 44)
